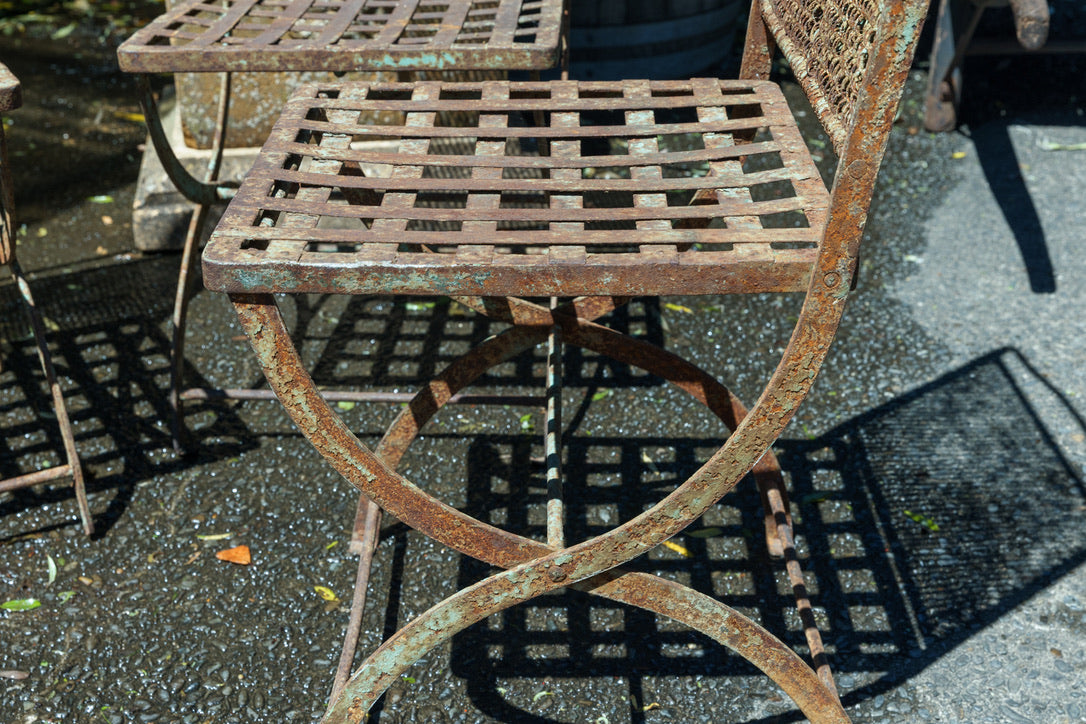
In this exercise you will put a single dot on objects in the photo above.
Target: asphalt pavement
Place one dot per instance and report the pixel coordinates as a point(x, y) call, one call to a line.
point(937, 471)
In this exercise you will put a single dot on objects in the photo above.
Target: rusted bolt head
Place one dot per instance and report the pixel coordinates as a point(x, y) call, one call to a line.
point(557, 574)
point(832, 279)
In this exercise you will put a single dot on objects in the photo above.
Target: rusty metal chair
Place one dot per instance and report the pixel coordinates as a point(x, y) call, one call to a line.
point(516, 225)
point(403, 36)
point(10, 99)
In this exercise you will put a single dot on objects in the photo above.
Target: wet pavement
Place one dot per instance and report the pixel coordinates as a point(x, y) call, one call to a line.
point(937, 469)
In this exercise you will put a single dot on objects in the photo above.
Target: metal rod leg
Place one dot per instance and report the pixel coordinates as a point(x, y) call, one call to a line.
point(552, 442)
point(70, 452)
point(185, 279)
point(364, 543)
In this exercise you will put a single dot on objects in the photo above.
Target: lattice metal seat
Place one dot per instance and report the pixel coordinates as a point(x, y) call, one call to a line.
point(607, 212)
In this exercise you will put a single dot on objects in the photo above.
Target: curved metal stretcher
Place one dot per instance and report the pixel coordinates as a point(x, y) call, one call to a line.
point(491, 197)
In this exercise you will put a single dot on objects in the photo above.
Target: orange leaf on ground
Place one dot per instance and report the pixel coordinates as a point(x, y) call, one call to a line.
point(240, 555)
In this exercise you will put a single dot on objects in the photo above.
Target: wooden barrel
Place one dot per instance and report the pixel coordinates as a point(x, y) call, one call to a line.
point(658, 39)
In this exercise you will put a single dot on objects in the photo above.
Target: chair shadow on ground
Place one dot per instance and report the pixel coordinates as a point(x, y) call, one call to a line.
point(1026, 88)
point(911, 517)
point(110, 346)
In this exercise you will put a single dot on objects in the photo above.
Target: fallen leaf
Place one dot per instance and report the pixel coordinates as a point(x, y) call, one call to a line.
point(127, 116)
point(20, 604)
point(326, 593)
point(64, 32)
point(215, 536)
point(52, 568)
point(345, 405)
point(1049, 146)
point(650, 707)
point(540, 694)
point(43, 232)
point(922, 520)
point(101, 251)
point(101, 199)
point(672, 545)
point(239, 555)
point(14, 675)
point(107, 220)
point(65, 596)
point(678, 308)
point(86, 581)
point(649, 461)
point(958, 155)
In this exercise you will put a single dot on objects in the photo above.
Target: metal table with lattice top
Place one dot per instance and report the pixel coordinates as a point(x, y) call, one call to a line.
point(347, 35)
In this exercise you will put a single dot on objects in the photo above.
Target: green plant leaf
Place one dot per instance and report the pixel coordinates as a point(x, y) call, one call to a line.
point(20, 604)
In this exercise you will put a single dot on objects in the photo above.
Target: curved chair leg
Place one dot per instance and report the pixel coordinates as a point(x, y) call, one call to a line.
point(505, 589)
point(551, 568)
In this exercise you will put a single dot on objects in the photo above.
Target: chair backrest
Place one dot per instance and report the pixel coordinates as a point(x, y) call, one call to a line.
point(852, 58)
point(844, 53)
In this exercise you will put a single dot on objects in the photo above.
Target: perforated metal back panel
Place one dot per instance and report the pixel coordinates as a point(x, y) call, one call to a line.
point(828, 44)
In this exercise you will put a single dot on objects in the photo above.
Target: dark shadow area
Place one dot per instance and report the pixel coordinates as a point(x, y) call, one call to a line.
point(381, 343)
point(939, 512)
point(920, 522)
point(112, 361)
point(998, 90)
point(1004, 175)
